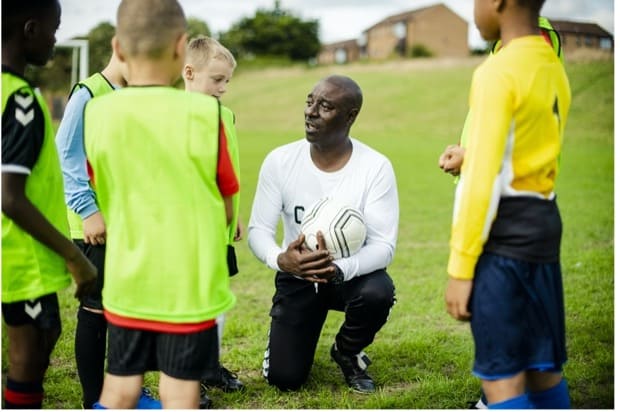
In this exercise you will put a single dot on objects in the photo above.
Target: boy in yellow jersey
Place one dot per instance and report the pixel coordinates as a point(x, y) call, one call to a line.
point(164, 184)
point(36, 250)
point(451, 160)
point(88, 229)
point(209, 66)
point(504, 262)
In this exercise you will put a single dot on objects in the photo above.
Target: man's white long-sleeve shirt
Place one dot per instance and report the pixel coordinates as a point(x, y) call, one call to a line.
point(289, 183)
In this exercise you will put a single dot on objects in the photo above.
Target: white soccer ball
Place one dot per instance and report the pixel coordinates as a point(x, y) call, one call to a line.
point(343, 227)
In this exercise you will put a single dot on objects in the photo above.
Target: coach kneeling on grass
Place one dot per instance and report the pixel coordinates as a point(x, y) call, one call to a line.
point(327, 163)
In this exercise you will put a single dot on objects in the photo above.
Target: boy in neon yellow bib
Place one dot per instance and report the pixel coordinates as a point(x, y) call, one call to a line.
point(38, 258)
point(164, 184)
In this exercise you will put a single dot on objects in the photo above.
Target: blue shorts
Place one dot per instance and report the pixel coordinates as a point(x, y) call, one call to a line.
point(517, 317)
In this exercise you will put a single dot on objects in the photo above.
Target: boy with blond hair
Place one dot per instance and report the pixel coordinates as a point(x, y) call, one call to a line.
point(208, 69)
point(164, 184)
point(504, 265)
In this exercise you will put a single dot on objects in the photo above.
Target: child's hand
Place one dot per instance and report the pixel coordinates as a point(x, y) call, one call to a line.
point(94, 229)
point(84, 273)
point(239, 232)
point(451, 159)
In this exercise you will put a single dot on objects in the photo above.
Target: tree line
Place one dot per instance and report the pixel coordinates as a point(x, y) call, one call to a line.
point(271, 32)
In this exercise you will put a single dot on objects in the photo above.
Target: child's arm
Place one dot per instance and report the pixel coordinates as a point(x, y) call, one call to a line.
point(226, 178)
point(17, 207)
point(79, 194)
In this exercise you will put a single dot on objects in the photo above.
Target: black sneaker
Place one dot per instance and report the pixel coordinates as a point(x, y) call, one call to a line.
point(205, 401)
point(226, 381)
point(354, 370)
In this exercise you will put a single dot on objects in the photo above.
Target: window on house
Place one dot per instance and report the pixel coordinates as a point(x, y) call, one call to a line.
point(589, 41)
point(400, 30)
point(341, 56)
point(362, 40)
point(605, 43)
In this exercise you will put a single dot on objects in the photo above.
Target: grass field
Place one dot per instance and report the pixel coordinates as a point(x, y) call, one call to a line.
point(421, 358)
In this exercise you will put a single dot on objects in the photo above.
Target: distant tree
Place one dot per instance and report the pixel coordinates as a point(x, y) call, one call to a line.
point(54, 76)
point(100, 46)
point(274, 32)
point(196, 27)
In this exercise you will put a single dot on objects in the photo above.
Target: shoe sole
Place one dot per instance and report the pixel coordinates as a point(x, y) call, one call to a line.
point(362, 392)
point(224, 388)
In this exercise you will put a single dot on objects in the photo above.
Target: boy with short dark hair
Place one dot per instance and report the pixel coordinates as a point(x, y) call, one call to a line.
point(36, 251)
point(504, 263)
point(451, 160)
point(164, 183)
point(88, 229)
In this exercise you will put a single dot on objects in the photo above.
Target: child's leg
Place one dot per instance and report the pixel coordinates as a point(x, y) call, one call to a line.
point(178, 393)
point(548, 390)
point(518, 402)
point(220, 329)
point(90, 344)
point(121, 392)
point(500, 390)
point(131, 353)
point(183, 360)
point(90, 332)
point(29, 352)
point(33, 328)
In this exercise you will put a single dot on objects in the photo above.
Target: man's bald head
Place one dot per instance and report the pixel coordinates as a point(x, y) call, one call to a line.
point(351, 89)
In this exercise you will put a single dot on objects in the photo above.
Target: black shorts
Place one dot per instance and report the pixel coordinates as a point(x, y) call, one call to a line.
point(42, 312)
point(96, 254)
point(193, 356)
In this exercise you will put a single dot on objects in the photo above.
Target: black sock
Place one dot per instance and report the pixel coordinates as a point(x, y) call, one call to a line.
point(90, 344)
point(23, 395)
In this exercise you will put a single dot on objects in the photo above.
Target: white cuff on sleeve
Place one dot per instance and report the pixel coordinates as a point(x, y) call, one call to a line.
point(272, 258)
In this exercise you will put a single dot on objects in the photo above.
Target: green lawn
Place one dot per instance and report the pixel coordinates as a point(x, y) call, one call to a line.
point(421, 358)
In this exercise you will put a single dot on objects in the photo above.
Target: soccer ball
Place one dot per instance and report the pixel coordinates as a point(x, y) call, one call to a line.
point(343, 227)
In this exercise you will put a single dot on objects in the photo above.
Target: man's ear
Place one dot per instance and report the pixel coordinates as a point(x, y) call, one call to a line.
point(116, 46)
point(188, 72)
point(353, 115)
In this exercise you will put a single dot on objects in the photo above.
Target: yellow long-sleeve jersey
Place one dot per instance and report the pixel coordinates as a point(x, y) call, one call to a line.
point(504, 202)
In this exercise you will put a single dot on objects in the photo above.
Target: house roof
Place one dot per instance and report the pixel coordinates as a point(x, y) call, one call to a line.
point(407, 15)
point(340, 44)
point(565, 26)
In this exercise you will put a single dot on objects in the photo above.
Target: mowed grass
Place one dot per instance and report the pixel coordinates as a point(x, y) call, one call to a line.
point(421, 358)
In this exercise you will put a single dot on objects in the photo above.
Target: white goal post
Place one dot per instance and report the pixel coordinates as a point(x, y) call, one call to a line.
point(79, 58)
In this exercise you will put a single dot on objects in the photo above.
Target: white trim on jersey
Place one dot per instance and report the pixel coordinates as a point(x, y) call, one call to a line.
point(22, 170)
point(290, 183)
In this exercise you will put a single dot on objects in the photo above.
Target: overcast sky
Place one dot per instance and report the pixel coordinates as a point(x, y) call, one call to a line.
point(339, 19)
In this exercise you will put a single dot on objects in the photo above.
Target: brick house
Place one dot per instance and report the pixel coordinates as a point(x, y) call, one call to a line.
point(575, 36)
point(340, 52)
point(437, 29)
